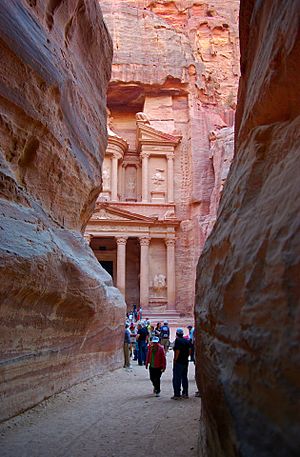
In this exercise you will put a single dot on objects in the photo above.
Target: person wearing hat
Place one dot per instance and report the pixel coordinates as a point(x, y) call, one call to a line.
point(191, 338)
point(156, 359)
point(182, 351)
point(165, 336)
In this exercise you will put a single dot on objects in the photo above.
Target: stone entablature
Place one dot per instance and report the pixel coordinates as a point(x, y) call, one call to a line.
point(116, 222)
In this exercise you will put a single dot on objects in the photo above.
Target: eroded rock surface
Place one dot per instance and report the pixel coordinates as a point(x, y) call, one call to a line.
point(247, 300)
point(58, 306)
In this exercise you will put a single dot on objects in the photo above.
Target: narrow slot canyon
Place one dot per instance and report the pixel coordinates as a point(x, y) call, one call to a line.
point(149, 173)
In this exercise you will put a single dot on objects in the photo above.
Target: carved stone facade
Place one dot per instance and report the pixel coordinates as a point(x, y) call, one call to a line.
point(178, 78)
point(133, 230)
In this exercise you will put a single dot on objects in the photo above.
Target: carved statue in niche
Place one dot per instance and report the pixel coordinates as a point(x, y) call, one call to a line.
point(130, 182)
point(159, 282)
point(106, 179)
point(158, 178)
point(131, 185)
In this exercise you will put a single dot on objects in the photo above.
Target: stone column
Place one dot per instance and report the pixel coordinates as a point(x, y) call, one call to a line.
point(144, 272)
point(121, 264)
point(170, 243)
point(170, 158)
point(114, 177)
point(145, 177)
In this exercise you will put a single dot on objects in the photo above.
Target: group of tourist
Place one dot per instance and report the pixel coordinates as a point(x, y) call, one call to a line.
point(135, 315)
point(148, 345)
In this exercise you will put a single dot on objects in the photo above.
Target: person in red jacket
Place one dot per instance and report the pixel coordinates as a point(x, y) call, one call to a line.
point(156, 359)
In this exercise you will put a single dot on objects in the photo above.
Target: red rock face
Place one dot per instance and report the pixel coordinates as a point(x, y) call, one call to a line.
point(247, 301)
point(58, 307)
point(183, 55)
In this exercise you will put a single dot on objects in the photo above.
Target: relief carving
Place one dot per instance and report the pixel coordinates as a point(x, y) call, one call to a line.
point(130, 182)
point(158, 178)
point(159, 282)
point(106, 179)
point(101, 214)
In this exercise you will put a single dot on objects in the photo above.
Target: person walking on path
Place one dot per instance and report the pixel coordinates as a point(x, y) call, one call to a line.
point(182, 351)
point(126, 347)
point(156, 359)
point(142, 339)
point(165, 336)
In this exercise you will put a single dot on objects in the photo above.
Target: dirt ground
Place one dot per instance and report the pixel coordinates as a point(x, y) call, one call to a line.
point(115, 415)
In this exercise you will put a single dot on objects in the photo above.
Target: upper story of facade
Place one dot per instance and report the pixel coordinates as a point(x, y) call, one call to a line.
point(141, 168)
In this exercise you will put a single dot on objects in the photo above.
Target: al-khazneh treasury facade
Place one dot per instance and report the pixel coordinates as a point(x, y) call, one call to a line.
point(133, 230)
point(172, 101)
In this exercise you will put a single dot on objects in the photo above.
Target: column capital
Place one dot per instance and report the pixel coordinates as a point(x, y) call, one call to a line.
point(170, 155)
point(145, 240)
point(116, 155)
point(121, 239)
point(145, 155)
point(170, 241)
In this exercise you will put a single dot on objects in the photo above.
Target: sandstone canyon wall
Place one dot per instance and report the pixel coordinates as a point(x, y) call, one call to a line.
point(58, 307)
point(247, 294)
point(178, 62)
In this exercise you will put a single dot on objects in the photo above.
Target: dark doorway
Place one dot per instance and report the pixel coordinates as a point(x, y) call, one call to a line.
point(108, 266)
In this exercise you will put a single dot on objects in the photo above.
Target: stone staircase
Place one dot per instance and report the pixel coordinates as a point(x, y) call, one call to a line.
point(172, 316)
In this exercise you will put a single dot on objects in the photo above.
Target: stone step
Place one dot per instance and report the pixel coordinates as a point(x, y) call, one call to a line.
point(164, 315)
point(173, 317)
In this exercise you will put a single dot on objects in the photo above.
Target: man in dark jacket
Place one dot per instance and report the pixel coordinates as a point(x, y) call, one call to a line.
point(142, 339)
point(182, 351)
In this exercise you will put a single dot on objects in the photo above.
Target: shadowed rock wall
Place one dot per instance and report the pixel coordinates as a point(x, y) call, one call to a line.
point(58, 307)
point(247, 293)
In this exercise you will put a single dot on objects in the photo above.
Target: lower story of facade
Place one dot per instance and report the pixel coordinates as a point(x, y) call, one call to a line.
point(139, 252)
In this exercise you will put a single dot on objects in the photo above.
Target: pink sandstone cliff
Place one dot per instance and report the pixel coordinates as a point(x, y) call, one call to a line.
point(58, 307)
point(182, 57)
point(247, 300)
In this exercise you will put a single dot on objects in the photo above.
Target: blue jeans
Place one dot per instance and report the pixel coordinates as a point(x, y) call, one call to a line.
point(142, 354)
point(180, 379)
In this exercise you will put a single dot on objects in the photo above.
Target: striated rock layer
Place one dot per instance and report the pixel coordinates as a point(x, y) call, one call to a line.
point(178, 62)
point(247, 300)
point(58, 307)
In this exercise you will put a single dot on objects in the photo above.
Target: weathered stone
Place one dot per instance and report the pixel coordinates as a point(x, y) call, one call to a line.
point(58, 306)
point(175, 61)
point(247, 300)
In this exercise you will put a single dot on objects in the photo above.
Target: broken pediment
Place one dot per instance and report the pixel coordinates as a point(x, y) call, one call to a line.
point(147, 135)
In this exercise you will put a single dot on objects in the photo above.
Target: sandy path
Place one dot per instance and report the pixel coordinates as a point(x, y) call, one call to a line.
point(115, 415)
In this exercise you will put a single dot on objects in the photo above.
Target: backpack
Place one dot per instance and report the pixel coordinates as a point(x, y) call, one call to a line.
point(164, 332)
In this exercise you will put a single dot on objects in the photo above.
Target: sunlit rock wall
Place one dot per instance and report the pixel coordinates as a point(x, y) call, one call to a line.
point(247, 302)
point(58, 308)
point(182, 55)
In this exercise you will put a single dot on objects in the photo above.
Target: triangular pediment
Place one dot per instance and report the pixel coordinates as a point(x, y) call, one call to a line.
point(108, 212)
point(146, 133)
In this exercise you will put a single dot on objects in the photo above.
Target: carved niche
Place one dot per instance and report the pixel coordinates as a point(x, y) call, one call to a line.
point(130, 183)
